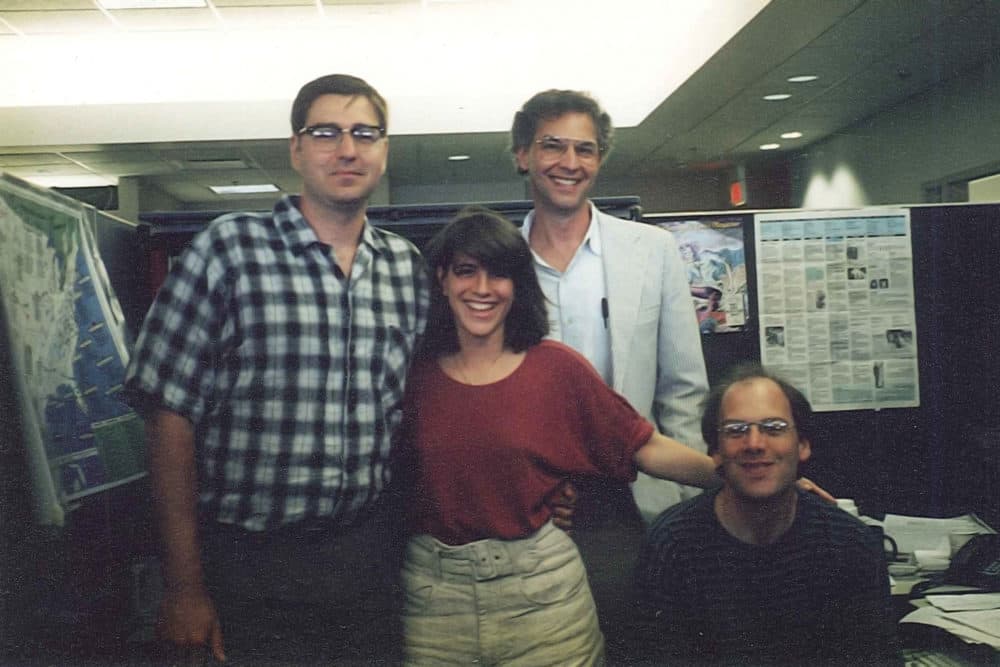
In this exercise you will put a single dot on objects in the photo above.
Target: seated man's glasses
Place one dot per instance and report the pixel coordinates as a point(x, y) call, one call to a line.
point(330, 136)
point(555, 147)
point(734, 430)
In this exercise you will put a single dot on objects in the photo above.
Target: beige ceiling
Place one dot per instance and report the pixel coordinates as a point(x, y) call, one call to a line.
point(869, 55)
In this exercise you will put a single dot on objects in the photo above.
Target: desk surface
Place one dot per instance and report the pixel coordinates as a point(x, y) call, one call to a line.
point(903, 585)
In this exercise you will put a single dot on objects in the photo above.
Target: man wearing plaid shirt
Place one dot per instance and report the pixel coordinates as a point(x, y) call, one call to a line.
point(270, 370)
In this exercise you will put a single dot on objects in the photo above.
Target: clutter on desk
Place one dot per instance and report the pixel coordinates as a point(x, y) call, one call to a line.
point(973, 626)
point(930, 544)
point(966, 602)
point(959, 558)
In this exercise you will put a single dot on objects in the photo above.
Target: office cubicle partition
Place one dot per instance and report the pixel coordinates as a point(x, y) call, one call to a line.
point(939, 458)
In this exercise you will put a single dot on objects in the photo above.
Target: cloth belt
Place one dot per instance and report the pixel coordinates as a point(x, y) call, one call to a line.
point(482, 560)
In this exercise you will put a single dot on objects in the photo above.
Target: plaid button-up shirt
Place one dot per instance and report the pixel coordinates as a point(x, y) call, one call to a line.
point(292, 376)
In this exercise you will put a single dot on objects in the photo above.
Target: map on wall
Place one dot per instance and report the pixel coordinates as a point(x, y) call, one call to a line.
point(836, 306)
point(68, 350)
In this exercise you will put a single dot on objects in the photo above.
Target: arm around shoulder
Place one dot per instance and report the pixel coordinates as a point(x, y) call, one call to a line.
point(667, 458)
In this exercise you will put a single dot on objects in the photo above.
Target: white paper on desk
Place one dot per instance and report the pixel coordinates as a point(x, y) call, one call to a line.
point(916, 532)
point(934, 560)
point(967, 602)
point(983, 620)
point(962, 629)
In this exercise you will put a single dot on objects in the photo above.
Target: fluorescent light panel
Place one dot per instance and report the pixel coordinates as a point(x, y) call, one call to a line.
point(71, 180)
point(252, 189)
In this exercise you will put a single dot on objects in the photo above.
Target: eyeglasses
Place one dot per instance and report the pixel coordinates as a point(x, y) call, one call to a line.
point(330, 136)
point(555, 147)
point(735, 430)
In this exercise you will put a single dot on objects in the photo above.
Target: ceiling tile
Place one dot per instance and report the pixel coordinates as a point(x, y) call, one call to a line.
point(106, 156)
point(62, 169)
point(58, 22)
point(135, 167)
point(45, 5)
point(243, 18)
point(880, 26)
point(166, 19)
point(830, 64)
point(372, 2)
point(32, 159)
point(264, 3)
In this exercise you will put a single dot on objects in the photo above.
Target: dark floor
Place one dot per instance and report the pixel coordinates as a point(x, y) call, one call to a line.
point(107, 620)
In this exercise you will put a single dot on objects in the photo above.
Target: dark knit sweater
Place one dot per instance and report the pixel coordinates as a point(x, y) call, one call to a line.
point(819, 595)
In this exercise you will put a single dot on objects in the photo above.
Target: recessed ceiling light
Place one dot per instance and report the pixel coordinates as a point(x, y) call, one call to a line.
point(805, 78)
point(791, 135)
point(150, 4)
point(458, 158)
point(777, 97)
point(769, 147)
point(71, 180)
point(243, 189)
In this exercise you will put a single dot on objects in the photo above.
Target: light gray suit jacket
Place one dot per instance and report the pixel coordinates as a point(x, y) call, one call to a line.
point(656, 352)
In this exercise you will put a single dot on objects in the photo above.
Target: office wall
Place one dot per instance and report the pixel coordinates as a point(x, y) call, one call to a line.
point(671, 191)
point(511, 190)
point(889, 158)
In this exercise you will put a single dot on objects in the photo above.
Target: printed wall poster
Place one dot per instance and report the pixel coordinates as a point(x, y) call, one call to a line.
point(835, 297)
point(68, 350)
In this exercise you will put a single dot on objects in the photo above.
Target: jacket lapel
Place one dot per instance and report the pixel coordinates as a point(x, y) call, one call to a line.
point(623, 278)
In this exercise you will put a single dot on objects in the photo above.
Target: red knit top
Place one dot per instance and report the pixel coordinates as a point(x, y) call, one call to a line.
point(481, 459)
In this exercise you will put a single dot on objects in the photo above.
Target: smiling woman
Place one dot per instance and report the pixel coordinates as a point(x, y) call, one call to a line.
point(475, 394)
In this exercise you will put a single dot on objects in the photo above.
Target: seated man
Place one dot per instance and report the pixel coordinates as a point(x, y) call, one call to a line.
point(756, 572)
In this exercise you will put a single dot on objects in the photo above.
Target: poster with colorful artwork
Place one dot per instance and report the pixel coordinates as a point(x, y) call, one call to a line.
point(715, 261)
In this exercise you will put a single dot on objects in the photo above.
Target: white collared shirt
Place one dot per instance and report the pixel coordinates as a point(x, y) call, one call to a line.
point(576, 299)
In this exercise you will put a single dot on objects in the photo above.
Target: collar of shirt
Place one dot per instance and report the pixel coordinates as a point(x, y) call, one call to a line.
point(299, 235)
point(575, 299)
point(591, 240)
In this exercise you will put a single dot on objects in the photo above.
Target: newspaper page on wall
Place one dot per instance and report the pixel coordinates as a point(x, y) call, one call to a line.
point(68, 350)
point(715, 262)
point(835, 298)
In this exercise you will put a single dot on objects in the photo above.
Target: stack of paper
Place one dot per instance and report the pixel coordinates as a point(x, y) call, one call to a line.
point(972, 617)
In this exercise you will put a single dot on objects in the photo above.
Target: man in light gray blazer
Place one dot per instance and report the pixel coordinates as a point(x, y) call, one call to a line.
point(617, 292)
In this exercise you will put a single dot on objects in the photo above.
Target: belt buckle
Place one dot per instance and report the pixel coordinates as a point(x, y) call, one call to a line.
point(482, 563)
point(492, 560)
